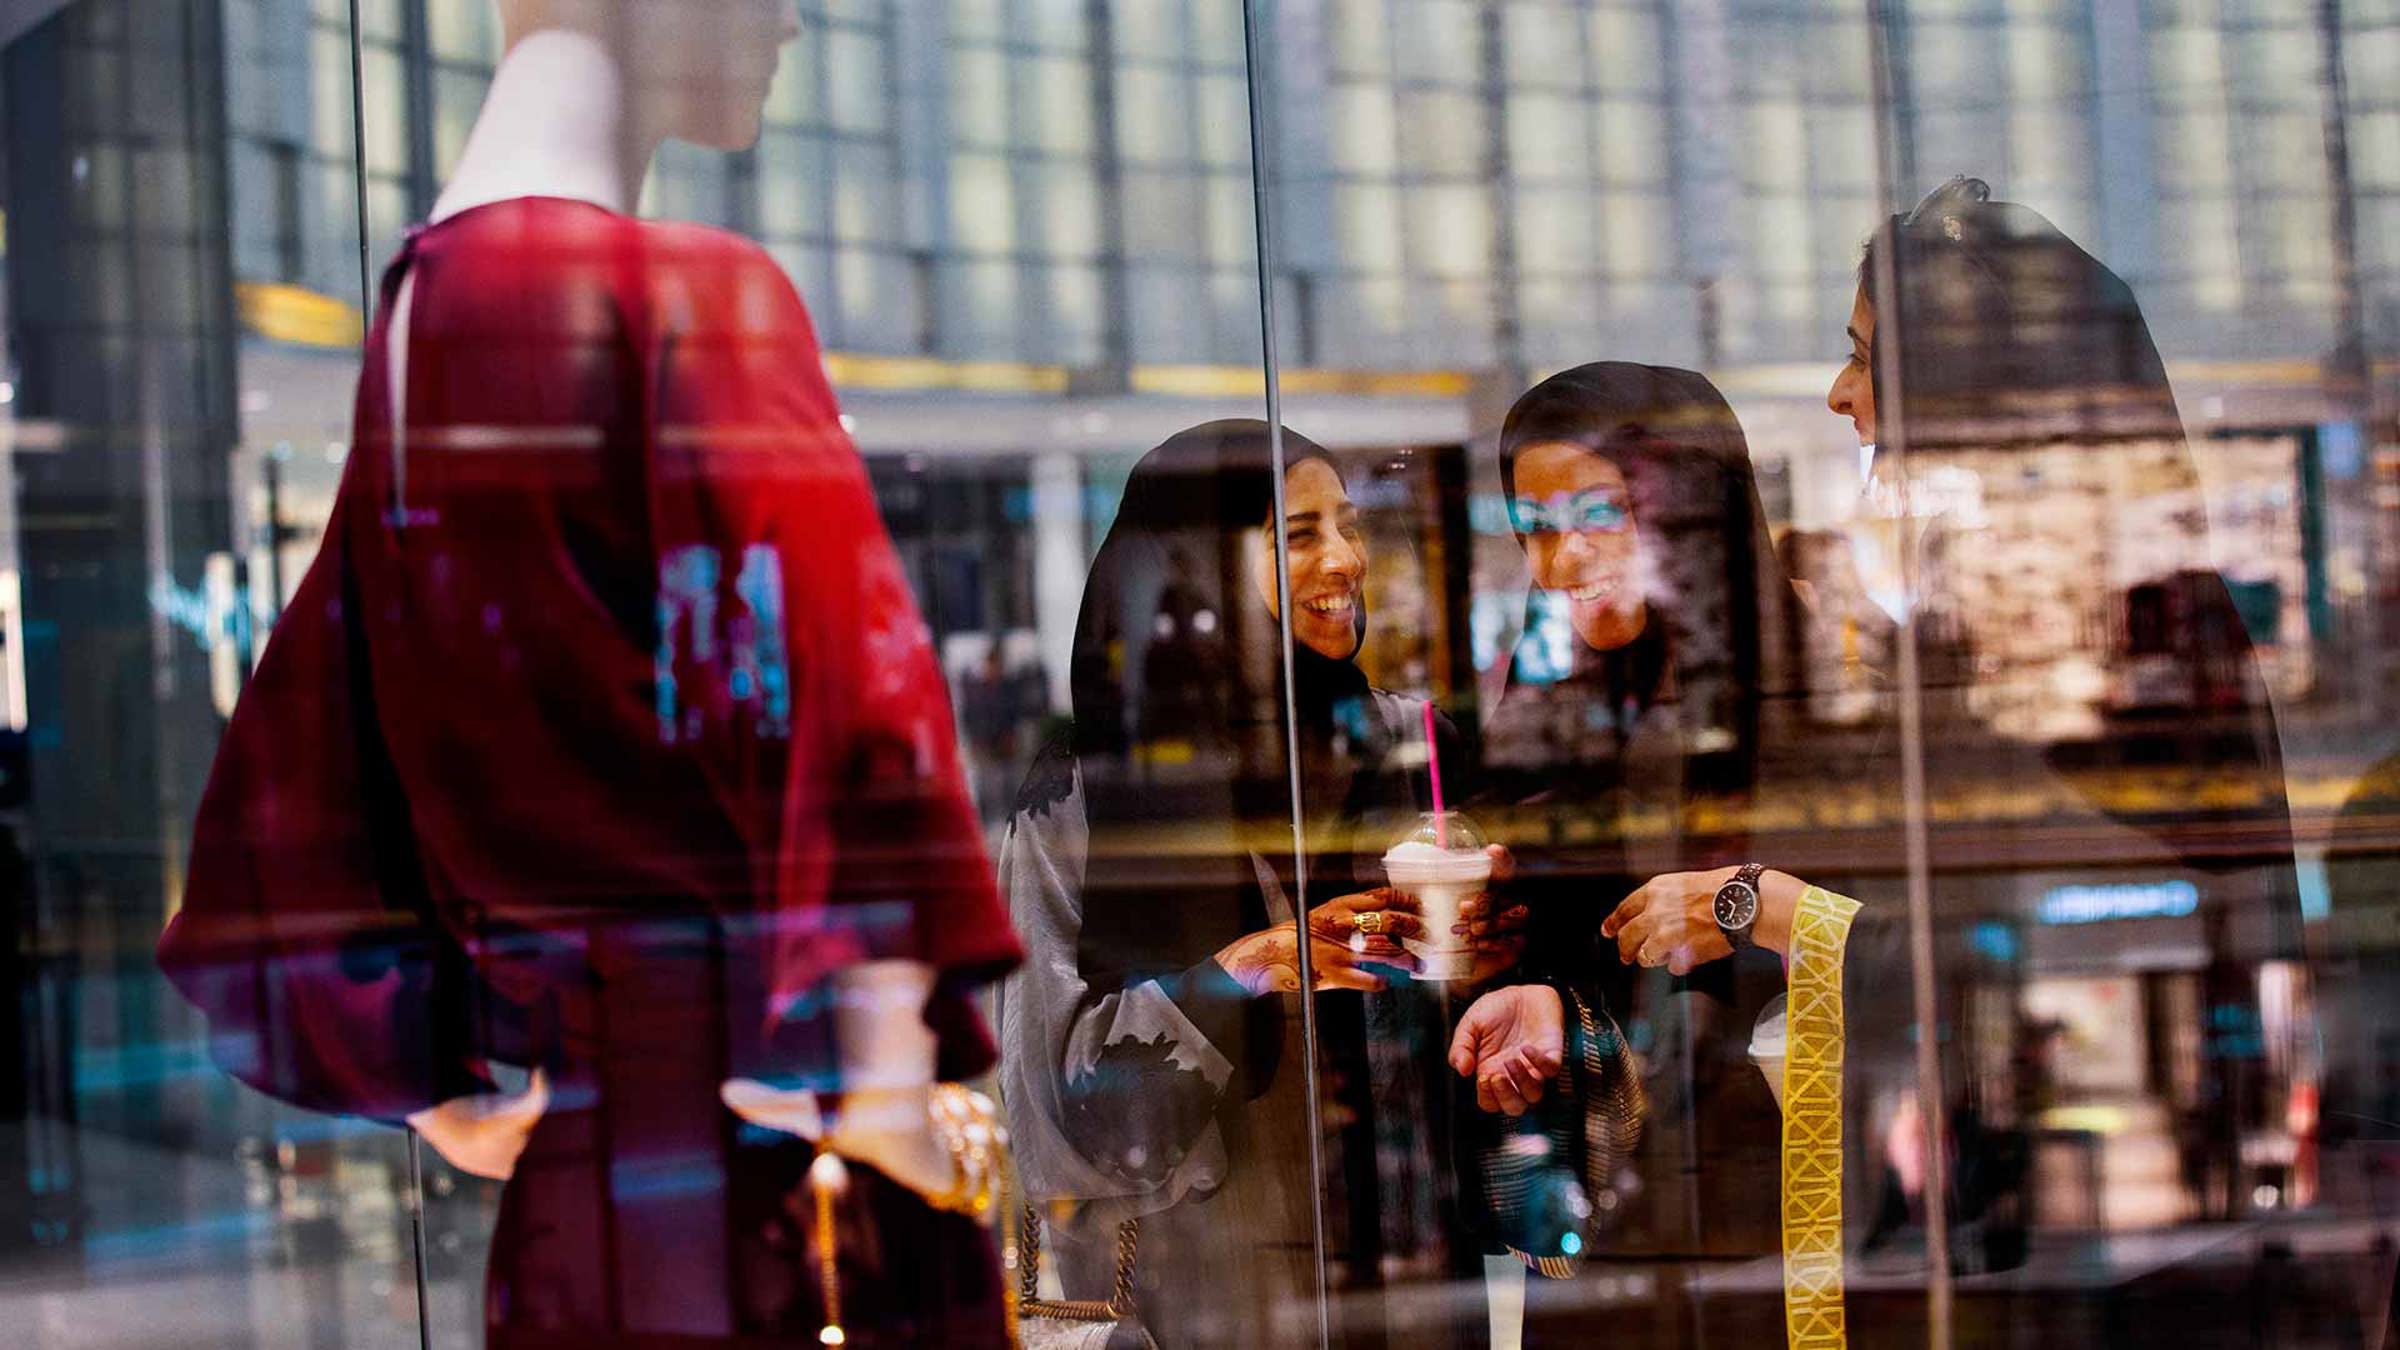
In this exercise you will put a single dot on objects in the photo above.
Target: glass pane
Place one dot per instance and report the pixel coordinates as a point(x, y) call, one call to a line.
point(179, 295)
point(2065, 667)
point(656, 662)
point(757, 635)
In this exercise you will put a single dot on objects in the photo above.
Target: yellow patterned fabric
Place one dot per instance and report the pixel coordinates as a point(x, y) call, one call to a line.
point(1813, 1313)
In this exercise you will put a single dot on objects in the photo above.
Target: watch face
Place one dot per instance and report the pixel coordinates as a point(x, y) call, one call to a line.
point(1737, 905)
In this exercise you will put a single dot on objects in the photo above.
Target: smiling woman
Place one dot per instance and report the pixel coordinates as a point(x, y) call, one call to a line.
point(1155, 1073)
point(1328, 561)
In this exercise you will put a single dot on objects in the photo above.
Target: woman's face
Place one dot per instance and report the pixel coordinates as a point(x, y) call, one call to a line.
point(1574, 514)
point(1328, 560)
point(1853, 392)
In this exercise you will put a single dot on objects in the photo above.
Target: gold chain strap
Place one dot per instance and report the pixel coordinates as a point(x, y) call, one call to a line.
point(1029, 1275)
point(1029, 1255)
point(1129, 1236)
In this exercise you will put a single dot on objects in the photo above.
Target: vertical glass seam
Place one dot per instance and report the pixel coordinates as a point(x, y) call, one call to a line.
point(1262, 143)
point(1893, 158)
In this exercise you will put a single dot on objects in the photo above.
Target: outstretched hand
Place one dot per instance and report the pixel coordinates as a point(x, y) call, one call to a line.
point(1512, 1042)
point(1346, 936)
point(1671, 921)
point(483, 1134)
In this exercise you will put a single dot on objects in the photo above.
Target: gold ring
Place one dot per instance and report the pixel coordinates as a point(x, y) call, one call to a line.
point(1369, 921)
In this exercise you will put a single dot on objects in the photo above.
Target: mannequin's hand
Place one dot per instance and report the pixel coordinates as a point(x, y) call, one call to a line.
point(1511, 1042)
point(891, 1130)
point(883, 1119)
point(1339, 951)
point(484, 1134)
point(888, 1129)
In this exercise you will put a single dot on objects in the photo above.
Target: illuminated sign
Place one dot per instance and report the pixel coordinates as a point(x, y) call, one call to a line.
point(2130, 900)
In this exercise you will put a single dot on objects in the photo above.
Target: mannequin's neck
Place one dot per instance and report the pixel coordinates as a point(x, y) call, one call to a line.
point(558, 121)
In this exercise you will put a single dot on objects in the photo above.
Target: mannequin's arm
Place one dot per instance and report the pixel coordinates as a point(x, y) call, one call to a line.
point(882, 1117)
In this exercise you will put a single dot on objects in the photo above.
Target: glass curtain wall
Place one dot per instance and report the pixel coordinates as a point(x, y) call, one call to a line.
point(1926, 451)
point(1786, 739)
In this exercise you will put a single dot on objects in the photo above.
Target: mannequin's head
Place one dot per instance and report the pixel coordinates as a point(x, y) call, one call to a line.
point(698, 69)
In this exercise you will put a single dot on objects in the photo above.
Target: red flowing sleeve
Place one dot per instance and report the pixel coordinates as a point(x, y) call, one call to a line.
point(882, 854)
point(300, 933)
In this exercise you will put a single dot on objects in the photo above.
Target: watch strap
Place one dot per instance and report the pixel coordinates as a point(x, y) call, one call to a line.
point(1747, 874)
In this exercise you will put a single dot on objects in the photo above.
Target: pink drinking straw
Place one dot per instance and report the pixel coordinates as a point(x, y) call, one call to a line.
point(1433, 766)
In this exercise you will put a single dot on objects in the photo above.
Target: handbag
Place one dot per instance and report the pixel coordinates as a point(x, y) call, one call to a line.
point(1551, 1179)
point(1073, 1324)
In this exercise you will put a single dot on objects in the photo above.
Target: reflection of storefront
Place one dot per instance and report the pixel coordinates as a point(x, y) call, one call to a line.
point(2138, 1024)
point(960, 525)
point(964, 530)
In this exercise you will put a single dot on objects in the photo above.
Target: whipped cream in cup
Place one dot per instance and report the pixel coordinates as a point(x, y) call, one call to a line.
point(1442, 865)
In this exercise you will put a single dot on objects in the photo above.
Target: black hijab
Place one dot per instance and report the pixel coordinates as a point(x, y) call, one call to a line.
point(1177, 667)
point(2010, 332)
point(2011, 335)
point(1711, 581)
point(1178, 694)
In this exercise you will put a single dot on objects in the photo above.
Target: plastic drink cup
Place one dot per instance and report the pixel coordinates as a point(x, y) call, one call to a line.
point(1767, 1047)
point(1442, 865)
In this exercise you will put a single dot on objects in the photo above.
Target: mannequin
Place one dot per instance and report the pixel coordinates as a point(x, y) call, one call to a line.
point(603, 740)
point(584, 94)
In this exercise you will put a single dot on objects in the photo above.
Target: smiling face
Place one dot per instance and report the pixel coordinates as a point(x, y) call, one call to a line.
point(1575, 517)
point(1853, 392)
point(1328, 560)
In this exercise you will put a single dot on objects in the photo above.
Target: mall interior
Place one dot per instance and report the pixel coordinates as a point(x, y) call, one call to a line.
point(2015, 706)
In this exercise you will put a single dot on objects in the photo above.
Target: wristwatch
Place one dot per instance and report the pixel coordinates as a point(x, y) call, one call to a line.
point(1737, 904)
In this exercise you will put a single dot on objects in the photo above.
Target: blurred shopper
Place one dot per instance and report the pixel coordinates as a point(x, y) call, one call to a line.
point(1154, 1070)
point(2014, 344)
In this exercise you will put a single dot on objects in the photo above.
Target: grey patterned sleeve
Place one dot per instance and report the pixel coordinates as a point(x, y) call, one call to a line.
point(1111, 1093)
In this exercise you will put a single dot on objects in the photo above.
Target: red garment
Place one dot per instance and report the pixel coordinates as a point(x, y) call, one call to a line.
point(601, 731)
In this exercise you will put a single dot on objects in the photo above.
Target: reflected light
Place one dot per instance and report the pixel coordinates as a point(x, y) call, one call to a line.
point(2127, 900)
point(12, 635)
point(2086, 1119)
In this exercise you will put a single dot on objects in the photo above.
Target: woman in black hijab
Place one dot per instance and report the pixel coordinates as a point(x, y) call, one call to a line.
point(1153, 1065)
point(1643, 733)
point(2017, 352)
point(1626, 745)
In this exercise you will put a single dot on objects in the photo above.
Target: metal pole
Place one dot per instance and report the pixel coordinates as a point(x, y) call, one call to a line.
point(366, 307)
point(416, 1239)
point(1259, 73)
point(1891, 437)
